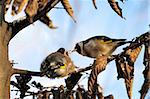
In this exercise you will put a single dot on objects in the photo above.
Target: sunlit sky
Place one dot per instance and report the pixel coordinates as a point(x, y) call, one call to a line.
point(31, 45)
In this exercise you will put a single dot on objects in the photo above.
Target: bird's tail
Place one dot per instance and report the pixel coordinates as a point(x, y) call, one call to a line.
point(122, 42)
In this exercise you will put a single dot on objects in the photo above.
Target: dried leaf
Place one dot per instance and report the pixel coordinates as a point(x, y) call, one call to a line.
point(68, 8)
point(142, 39)
point(18, 6)
point(125, 71)
point(56, 93)
point(42, 4)
point(46, 20)
point(94, 3)
point(115, 6)
point(147, 53)
point(31, 9)
point(123, 1)
point(120, 67)
point(129, 86)
point(98, 66)
point(61, 90)
point(79, 93)
point(132, 55)
point(7, 5)
point(71, 82)
point(37, 85)
point(22, 81)
point(146, 84)
point(125, 67)
point(98, 91)
point(146, 72)
point(70, 96)
point(14, 84)
point(109, 97)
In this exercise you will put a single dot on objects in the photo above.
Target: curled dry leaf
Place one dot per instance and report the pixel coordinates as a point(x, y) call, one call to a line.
point(68, 8)
point(123, 1)
point(146, 72)
point(22, 81)
point(71, 82)
point(109, 97)
point(46, 20)
point(7, 5)
point(98, 66)
point(56, 94)
point(146, 84)
point(42, 4)
point(80, 93)
point(115, 6)
point(129, 86)
point(142, 39)
point(31, 9)
point(131, 55)
point(18, 6)
point(70, 96)
point(61, 90)
point(125, 71)
point(94, 3)
point(99, 92)
point(125, 67)
point(147, 53)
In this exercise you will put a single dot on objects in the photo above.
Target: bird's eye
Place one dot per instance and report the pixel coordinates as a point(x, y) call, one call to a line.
point(60, 64)
point(78, 49)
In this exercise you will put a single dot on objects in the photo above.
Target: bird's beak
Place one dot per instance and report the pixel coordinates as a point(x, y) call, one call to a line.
point(74, 50)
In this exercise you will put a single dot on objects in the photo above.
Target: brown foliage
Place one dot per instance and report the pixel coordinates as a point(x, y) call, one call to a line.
point(42, 4)
point(115, 6)
point(94, 3)
point(31, 9)
point(146, 72)
point(98, 66)
point(125, 67)
point(18, 6)
point(146, 85)
point(7, 5)
point(46, 20)
point(68, 8)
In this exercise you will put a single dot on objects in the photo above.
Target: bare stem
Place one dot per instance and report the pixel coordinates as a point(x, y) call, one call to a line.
point(26, 72)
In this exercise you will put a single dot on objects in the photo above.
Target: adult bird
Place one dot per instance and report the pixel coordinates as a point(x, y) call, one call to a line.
point(98, 45)
point(57, 64)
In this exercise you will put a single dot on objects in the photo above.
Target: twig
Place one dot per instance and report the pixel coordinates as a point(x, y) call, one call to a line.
point(26, 72)
point(17, 26)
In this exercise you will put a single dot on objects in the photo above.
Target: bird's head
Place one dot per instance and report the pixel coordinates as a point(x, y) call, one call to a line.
point(78, 47)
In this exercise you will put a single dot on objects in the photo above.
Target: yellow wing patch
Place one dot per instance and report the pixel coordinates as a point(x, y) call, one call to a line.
point(62, 67)
point(104, 42)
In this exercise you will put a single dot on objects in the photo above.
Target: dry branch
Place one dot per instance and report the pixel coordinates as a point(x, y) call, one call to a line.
point(19, 25)
point(26, 72)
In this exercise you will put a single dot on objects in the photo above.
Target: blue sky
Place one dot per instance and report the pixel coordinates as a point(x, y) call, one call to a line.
point(31, 45)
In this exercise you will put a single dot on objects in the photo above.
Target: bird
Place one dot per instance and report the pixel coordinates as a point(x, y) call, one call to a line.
point(57, 64)
point(98, 45)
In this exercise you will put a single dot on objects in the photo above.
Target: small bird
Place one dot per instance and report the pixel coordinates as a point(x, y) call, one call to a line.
point(98, 45)
point(57, 64)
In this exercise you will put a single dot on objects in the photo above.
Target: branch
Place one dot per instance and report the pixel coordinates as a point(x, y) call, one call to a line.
point(19, 25)
point(26, 72)
point(84, 69)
